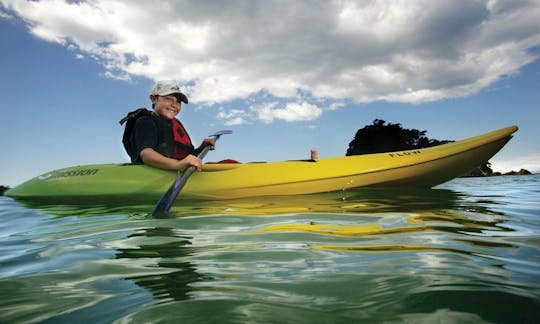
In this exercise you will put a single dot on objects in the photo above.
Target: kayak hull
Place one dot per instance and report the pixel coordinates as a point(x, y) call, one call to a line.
point(423, 168)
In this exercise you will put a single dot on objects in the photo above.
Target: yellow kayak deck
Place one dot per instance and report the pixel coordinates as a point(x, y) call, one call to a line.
point(418, 168)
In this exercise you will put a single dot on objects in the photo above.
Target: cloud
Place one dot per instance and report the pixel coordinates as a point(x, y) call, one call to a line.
point(528, 162)
point(267, 112)
point(4, 15)
point(293, 111)
point(233, 116)
point(362, 51)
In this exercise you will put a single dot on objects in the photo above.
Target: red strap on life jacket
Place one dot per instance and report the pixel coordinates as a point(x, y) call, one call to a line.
point(180, 136)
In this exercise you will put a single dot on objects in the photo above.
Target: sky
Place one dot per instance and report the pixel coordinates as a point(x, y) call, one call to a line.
point(284, 76)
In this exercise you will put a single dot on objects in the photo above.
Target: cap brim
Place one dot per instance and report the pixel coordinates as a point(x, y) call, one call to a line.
point(179, 96)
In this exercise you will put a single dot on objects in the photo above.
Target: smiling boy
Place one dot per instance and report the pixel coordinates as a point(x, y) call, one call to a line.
point(159, 139)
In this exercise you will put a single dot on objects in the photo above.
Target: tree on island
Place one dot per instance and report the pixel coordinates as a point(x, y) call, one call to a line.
point(381, 137)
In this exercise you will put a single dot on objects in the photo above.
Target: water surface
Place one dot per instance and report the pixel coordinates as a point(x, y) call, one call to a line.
point(466, 251)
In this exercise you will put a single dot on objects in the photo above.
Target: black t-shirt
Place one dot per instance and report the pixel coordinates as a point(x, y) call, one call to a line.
point(147, 135)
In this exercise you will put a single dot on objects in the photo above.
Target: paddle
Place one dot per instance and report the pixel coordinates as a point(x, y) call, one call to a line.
point(167, 199)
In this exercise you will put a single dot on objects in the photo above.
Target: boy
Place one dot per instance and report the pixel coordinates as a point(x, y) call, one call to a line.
point(159, 139)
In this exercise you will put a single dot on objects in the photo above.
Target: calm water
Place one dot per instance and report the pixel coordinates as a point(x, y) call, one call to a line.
point(467, 251)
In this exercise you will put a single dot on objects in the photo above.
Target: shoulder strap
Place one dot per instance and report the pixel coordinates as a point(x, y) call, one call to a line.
point(130, 120)
point(135, 114)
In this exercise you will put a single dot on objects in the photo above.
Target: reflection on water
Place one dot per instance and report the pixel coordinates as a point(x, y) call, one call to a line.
point(168, 250)
point(348, 201)
point(447, 254)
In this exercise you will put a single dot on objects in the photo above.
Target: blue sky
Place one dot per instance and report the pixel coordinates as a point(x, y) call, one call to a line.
point(302, 75)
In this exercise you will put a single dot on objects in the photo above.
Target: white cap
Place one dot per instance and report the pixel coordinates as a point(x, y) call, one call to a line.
point(168, 87)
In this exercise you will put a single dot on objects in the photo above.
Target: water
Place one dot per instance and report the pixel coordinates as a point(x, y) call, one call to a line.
point(467, 251)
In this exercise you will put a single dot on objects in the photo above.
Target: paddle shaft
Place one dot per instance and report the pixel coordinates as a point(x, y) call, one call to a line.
point(178, 185)
point(167, 199)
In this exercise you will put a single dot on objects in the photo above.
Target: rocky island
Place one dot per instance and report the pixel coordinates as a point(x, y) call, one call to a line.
point(484, 171)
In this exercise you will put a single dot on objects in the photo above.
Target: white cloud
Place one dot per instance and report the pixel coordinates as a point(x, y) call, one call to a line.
point(4, 15)
point(293, 111)
point(363, 51)
point(232, 117)
point(529, 162)
point(267, 112)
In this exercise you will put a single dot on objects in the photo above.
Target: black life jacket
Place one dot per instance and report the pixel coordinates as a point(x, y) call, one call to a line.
point(173, 142)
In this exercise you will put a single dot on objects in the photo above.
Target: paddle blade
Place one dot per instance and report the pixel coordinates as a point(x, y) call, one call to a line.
point(222, 132)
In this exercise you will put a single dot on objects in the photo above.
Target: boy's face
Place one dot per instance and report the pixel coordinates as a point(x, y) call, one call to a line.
point(166, 106)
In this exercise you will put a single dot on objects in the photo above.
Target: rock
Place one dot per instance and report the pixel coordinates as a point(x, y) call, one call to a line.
point(482, 171)
point(520, 172)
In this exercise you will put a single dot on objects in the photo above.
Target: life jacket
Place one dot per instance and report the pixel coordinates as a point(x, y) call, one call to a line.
point(173, 142)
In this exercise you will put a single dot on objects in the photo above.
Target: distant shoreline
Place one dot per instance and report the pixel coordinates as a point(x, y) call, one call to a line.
point(480, 174)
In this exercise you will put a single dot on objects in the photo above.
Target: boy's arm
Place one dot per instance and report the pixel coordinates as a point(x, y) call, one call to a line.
point(152, 158)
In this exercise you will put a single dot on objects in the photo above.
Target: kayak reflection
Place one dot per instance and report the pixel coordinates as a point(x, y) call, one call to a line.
point(360, 200)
